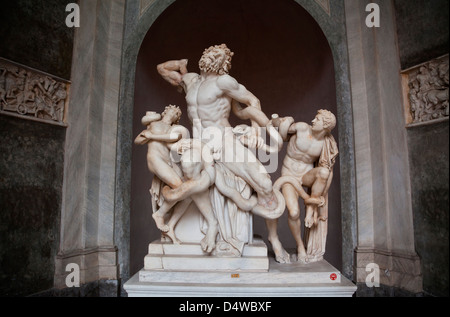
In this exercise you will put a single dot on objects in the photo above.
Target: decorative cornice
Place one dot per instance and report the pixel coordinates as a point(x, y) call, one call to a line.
point(31, 94)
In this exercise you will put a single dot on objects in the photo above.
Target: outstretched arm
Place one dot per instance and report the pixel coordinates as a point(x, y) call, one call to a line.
point(146, 136)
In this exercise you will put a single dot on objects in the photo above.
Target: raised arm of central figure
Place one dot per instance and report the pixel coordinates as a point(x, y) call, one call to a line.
point(173, 71)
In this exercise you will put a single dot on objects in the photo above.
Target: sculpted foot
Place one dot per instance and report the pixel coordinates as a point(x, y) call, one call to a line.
point(301, 255)
point(281, 255)
point(309, 219)
point(160, 222)
point(171, 234)
point(208, 243)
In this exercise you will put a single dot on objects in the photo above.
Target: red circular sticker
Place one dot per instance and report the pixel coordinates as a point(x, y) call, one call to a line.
point(333, 276)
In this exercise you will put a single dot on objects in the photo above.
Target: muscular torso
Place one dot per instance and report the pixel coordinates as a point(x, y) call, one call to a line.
point(158, 150)
point(207, 102)
point(302, 152)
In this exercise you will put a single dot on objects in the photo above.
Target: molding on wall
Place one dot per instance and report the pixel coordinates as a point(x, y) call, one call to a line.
point(99, 288)
point(396, 269)
point(95, 264)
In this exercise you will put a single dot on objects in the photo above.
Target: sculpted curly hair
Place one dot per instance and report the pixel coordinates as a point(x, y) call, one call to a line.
point(219, 69)
point(329, 119)
point(172, 107)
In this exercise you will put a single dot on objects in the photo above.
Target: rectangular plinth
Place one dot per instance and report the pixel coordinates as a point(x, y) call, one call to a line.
point(205, 263)
point(257, 248)
point(295, 279)
point(282, 274)
point(189, 257)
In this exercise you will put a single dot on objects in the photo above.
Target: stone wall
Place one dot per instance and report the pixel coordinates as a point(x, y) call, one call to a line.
point(423, 35)
point(34, 34)
point(428, 151)
point(31, 169)
point(422, 27)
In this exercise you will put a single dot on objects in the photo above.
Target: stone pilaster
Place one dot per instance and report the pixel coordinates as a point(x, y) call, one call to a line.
point(385, 220)
point(88, 211)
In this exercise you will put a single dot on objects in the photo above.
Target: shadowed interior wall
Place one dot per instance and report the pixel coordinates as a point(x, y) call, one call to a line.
point(31, 172)
point(281, 55)
point(422, 28)
point(34, 34)
point(423, 34)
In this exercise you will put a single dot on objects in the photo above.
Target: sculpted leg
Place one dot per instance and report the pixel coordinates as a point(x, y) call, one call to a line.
point(188, 188)
point(317, 179)
point(242, 162)
point(321, 180)
point(158, 216)
point(203, 203)
point(178, 212)
point(311, 215)
point(281, 255)
point(165, 172)
point(291, 197)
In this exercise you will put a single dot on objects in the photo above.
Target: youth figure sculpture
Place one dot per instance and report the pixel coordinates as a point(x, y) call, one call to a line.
point(309, 162)
point(176, 186)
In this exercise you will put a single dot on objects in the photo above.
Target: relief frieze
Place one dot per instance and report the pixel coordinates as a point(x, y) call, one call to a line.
point(31, 94)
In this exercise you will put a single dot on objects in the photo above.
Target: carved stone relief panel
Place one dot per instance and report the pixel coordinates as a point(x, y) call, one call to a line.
point(426, 91)
point(30, 94)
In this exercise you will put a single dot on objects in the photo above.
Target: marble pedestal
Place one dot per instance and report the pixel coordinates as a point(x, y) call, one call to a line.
point(189, 257)
point(167, 273)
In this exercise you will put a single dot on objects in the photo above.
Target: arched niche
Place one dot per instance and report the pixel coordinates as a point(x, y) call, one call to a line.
point(292, 59)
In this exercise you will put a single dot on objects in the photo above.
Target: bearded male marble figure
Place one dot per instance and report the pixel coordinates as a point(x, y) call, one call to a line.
point(309, 162)
point(210, 97)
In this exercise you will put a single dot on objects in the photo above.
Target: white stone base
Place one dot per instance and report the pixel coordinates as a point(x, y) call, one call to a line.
point(189, 257)
point(282, 280)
